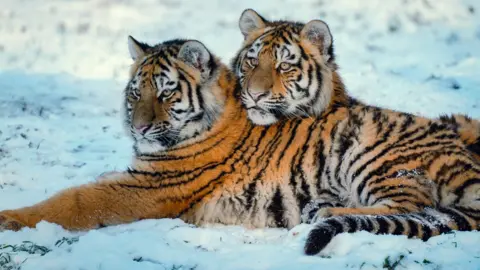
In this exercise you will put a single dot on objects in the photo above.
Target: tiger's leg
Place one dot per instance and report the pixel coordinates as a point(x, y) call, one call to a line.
point(122, 199)
point(403, 192)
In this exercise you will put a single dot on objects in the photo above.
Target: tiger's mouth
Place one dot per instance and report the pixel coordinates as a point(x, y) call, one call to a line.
point(258, 109)
point(164, 137)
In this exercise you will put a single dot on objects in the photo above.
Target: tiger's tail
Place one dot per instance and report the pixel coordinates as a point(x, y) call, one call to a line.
point(423, 225)
point(467, 128)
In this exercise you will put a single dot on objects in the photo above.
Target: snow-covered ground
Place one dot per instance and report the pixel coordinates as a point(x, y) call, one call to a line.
point(63, 65)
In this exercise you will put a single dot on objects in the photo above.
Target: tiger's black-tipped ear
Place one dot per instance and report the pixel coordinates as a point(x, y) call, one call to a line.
point(318, 33)
point(195, 54)
point(250, 21)
point(136, 49)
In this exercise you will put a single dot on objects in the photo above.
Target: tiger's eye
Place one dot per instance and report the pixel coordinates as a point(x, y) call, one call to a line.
point(285, 66)
point(254, 62)
point(167, 93)
point(134, 94)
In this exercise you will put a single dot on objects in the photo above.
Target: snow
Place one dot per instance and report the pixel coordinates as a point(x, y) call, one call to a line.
point(63, 65)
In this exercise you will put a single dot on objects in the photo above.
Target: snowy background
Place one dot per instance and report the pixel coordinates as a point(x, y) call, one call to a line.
point(63, 65)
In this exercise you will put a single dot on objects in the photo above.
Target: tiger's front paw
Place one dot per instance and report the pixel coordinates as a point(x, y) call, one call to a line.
point(8, 223)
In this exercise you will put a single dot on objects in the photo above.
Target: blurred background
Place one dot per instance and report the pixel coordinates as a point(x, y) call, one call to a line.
point(64, 63)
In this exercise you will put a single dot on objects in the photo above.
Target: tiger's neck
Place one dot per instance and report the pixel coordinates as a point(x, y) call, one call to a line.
point(213, 145)
point(339, 96)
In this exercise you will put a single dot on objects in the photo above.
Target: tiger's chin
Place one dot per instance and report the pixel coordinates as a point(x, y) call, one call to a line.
point(147, 147)
point(261, 117)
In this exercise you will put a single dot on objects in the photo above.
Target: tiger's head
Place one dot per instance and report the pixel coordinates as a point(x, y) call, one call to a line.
point(286, 69)
point(170, 97)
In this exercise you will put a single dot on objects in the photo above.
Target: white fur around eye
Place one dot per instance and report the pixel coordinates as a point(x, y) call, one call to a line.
point(254, 49)
point(287, 54)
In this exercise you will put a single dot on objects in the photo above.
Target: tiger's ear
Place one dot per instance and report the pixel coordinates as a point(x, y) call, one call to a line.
point(318, 33)
point(136, 49)
point(195, 54)
point(250, 21)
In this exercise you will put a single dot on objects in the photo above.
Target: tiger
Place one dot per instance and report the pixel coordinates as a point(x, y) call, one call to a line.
point(196, 156)
point(393, 172)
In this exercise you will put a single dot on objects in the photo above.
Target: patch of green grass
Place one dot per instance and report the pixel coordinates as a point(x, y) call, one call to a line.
point(26, 246)
point(67, 240)
point(425, 261)
point(173, 267)
point(6, 251)
point(7, 263)
point(388, 264)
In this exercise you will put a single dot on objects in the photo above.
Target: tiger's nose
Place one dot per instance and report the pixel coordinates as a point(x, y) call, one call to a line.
point(142, 129)
point(256, 95)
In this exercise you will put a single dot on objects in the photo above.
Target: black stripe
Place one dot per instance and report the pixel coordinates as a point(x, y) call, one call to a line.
point(346, 140)
point(163, 67)
point(383, 225)
point(409, 121)
point(318, 74)
point(320, 163)
point(272, 145)
point(447, 137)
point(426, 232)
point(470, 212)
point(413, 227)
point(352, 223)
point(276, 208)
point(399, 229)
point(336, 224)
point(425, 146)
point(393, 195)
point(200, 97)
point(292, 134)
point(250, 193)
point(459, 191)
point(190, 94)
point(303, 54)
point(333, 135)
point(475, 147)
point(304, 196)
point(462, 222)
